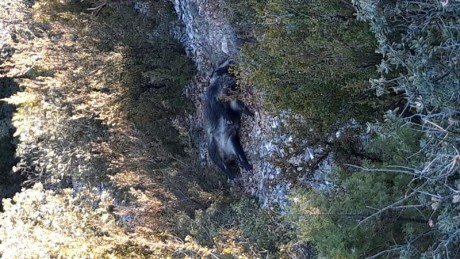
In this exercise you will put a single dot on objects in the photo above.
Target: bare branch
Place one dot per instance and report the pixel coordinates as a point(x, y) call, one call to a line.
point(393, 204)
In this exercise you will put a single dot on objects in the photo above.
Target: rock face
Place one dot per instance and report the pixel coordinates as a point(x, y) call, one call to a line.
point(209, 39)
point(275, 153)
point(208, 35)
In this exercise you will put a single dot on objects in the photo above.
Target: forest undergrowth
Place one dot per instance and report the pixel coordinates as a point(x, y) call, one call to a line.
point(100, 132)
point(111, 171)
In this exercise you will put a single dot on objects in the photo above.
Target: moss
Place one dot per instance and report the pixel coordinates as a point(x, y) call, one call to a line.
point(314, 59)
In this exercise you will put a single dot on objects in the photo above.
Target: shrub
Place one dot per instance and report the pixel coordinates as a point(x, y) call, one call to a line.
point(42, 224)
point(238, 227)
point(407, 204)
point(341, 224)
point(419, 39)
point(313, 58)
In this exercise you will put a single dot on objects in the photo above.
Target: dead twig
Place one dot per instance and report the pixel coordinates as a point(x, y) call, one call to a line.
point(96, 10)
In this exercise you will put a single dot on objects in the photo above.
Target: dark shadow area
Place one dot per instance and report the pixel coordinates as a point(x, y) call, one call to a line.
point(152, 75)
point(10, 182)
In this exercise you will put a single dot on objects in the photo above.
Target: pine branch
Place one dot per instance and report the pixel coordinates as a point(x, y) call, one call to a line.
point(393, 204)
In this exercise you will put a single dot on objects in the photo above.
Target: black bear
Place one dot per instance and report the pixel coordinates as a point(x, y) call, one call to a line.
point(223, 118)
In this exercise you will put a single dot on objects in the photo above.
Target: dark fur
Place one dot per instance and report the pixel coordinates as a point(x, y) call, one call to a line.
point(223, 120)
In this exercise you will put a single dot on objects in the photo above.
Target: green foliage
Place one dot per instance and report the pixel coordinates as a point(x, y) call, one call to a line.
point(403, 203)
point(314, 223)
point(238, 227)
point(106, 70)
point(260, 226)
point(394, 141)
point(348, 218)
point(421, 41)
point(332, 221)
point(311, 57)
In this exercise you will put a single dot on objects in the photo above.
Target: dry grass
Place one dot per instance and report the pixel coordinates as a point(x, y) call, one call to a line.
point(99, 97)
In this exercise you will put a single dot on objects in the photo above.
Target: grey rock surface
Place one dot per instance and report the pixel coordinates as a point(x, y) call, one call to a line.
point(279, 158)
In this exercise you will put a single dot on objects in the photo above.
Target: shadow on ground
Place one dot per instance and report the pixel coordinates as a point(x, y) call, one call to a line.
point(117, 79)
point(10, 182)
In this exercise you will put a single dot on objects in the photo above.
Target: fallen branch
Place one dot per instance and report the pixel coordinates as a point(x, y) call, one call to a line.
point(96, 10)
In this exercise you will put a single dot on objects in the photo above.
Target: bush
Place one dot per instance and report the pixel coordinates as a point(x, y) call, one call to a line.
point(43, 224)
point(341, 223)
point(39, 223)
point(238, 228)
point(313, 58)
point(403, 206)
point(419, 39)
point(407, 204)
